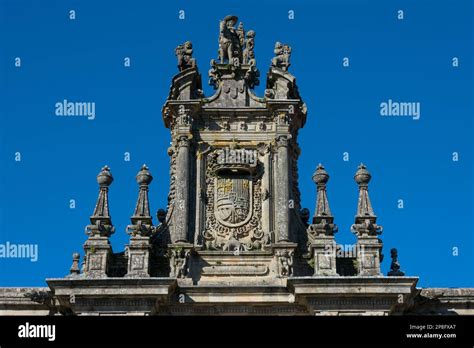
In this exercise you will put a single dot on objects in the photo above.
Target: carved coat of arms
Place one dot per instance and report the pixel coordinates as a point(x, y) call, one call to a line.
point(234, 202)
point(233, 199)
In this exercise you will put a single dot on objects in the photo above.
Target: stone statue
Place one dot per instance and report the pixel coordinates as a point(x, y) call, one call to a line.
point(229, 40)
point(395, 265)
point(184, 54)
point(249, 47)
point(252, 75)
point(241, 33)
point(179, 263)
point(304, 213)
point(282, 56)
point(285, 263)
point(214, 75)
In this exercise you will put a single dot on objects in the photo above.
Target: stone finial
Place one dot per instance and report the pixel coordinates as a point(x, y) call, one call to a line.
point(320, 176)
point(105, 178)
point(282, 56)
point(101, 222)
point(75, 270)
point(184, 54)
point(144, 177)
point(142, 223)
point(322, 219)
point(362, 176)
point(365, 218)
point(395, 265)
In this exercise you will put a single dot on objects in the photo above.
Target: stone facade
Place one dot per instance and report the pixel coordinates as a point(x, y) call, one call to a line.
point(234, 239)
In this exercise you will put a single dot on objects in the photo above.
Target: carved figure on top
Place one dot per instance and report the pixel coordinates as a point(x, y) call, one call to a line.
point(214, 75)
point(248, 54)
point(252, 75)
point(229, 40)
point(241, 34)
point(184, 54)
point(236, 48)
point(282, 56)
point(395, 265)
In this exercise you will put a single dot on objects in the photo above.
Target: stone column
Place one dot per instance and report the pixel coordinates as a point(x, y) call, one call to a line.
point(282, 190)
point(200, 192)
point(264, 151)
point(181, 208)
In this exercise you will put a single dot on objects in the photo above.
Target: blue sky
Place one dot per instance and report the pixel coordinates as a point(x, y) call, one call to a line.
point(407, 60)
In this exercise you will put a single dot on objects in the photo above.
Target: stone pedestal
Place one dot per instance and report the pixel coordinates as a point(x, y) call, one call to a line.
point(138, 257)
point(98, 253)
point(369, 256)
point(323, 251)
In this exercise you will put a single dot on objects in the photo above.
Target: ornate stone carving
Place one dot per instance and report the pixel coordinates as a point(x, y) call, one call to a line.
point(225, 126)
point(230, 46)
point(214, 75)
point(236, 270)
point(234, 207)
point(237, 58)
point(285, 262)
point(172, 191)
point(184, 54)
point(179, 260)
point(252, 74)
point(248, 55)
point(263, 148)
point(282, 56)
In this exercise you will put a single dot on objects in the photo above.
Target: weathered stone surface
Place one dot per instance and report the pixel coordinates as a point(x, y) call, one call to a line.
point(26, 301)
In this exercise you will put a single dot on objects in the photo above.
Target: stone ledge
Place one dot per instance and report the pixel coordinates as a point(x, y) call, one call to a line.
point(364, 285)
point(111, 286)
point(237, 293)
point(452, 294)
